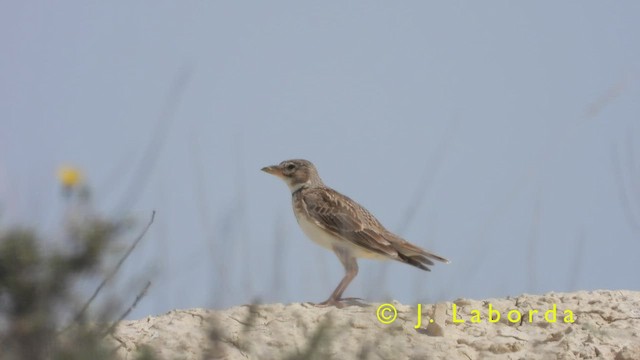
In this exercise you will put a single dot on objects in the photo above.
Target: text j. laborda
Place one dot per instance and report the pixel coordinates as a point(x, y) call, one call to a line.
point(387, 314)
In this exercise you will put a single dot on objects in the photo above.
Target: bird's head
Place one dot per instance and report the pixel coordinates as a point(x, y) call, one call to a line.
point(296, 173)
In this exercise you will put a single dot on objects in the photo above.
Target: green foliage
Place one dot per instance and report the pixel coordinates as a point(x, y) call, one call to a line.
point(35, 289)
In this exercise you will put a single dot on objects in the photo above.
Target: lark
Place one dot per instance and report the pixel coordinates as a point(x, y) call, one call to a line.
point(337, 223)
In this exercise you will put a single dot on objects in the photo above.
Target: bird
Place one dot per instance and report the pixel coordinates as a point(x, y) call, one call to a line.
point(338, 223)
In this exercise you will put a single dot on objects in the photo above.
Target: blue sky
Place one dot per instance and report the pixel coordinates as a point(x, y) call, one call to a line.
point(486, 132)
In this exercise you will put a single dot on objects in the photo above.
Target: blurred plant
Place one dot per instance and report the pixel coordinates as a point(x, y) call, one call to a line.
point(34, 289)
point(37, 282)
point(318, 345)
point(69, 176)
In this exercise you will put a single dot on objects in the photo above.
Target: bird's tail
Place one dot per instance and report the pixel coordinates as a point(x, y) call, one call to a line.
point(414, 255)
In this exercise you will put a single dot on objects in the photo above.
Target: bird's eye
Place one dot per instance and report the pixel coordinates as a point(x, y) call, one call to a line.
point(290, 167)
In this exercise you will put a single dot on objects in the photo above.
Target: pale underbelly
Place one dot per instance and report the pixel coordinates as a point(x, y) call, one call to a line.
point(328, 241)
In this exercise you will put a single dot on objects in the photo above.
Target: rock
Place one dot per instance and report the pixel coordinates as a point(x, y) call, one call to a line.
point(585, 324)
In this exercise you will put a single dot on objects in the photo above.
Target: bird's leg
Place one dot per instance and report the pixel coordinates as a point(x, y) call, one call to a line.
point(351, 270)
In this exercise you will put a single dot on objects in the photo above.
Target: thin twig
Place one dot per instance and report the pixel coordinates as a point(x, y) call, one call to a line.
point(111, 274)
point(634, 168)
point(431, 168)
point(141, 294)
point(606, 98)
point(627, 206)
point(150, 154)
point(578, 258)
point(534, 239)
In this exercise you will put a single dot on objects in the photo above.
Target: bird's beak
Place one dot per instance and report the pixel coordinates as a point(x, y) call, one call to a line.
point(273, 170)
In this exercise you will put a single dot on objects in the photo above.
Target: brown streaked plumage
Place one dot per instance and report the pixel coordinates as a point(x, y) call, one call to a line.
point(340, 224)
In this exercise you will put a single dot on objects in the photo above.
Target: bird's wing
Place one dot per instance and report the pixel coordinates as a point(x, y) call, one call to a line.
point(346, 219)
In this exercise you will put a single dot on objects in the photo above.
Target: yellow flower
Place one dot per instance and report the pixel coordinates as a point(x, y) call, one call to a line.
point(69, 176)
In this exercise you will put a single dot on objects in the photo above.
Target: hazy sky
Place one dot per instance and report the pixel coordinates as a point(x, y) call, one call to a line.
point(488, 132)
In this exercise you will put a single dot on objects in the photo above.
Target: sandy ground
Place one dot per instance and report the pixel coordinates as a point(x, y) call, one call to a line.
point(606, 325)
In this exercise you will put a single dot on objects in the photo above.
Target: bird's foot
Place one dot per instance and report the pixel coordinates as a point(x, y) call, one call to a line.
point(352, 299)
point(331, 302)
point(340, 303)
